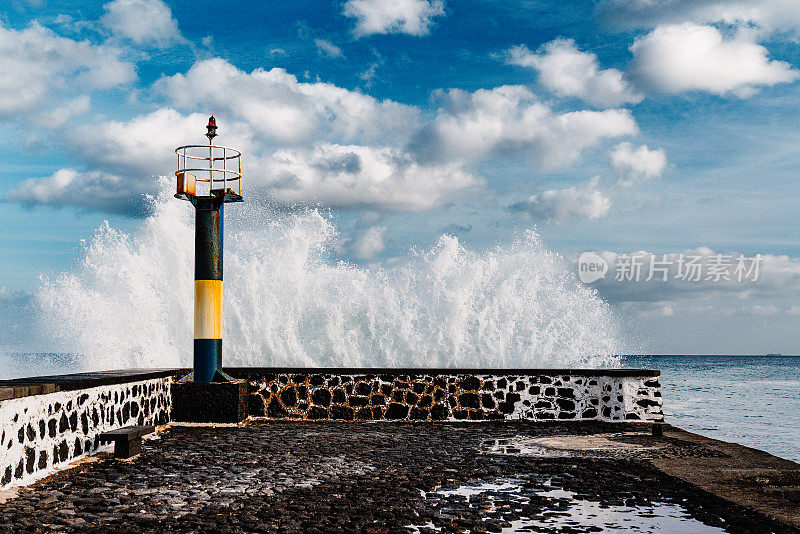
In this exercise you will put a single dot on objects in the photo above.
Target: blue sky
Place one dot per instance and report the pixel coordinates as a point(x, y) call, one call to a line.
point(661, 126)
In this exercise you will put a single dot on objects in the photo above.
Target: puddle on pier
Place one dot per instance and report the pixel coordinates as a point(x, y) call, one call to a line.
point(533, 505)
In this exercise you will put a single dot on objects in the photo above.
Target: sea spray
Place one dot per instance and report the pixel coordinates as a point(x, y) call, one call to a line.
point(289, 301)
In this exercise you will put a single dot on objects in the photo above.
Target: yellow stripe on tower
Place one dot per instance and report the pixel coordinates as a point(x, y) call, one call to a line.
point(208, 309)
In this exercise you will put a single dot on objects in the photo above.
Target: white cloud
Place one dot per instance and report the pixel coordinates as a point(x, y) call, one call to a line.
point(294, 136)
point(144, 146)
point(412, 17)
point(690, 57)
point(280, 109)
point(585, 201)
point(770, 15)
point(319, 143)
point(509, 121)
point(634, 165)
point(780, 15)
point(568, 72)
point(667, 310)
point(377, 172)
point(370, 243)
point(93, 191)
point(71, 25)
point(764, 309)
point(327, 48)
point(64, 113)
point(360, 176)
point(35, 63)
point(652, 309)
point(335, 175)
point(145, 22)
point(589, 200)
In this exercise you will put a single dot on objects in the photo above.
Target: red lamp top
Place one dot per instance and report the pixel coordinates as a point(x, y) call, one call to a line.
point(212, 128)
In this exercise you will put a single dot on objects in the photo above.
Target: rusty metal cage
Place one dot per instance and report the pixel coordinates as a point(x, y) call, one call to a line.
point(218, 168)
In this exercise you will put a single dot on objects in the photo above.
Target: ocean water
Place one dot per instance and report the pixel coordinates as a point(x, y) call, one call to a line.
point(752, 400)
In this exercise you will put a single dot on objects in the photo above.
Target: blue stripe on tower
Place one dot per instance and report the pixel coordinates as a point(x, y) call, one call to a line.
point(207, 359)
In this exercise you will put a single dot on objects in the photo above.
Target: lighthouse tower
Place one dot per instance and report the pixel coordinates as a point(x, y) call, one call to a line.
point(209, 176)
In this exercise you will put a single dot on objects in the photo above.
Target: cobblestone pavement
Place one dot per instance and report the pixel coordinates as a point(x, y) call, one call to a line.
point(368, 477)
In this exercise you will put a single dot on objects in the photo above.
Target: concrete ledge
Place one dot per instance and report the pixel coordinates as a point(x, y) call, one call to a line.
point(748, 477)
point(42, 385)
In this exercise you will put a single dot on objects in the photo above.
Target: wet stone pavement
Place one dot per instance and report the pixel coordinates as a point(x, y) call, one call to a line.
point(378, 477)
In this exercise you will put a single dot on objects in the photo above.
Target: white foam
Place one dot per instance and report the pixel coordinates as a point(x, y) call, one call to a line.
point(288, 301)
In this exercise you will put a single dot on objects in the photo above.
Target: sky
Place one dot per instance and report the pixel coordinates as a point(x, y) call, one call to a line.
point(649, 127)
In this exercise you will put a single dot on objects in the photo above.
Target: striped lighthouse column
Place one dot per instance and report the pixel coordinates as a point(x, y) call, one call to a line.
point(208, 289)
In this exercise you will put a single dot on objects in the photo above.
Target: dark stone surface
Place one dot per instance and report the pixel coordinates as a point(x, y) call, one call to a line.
point(469, 400)
point(298, 477)
point(397, 411)
point(321, 397)
point(216, 402)
point(565, 404)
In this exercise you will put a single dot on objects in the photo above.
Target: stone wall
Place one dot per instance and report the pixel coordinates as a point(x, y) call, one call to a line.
point(447, 395)
point(45, 422)
point(40, 432)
